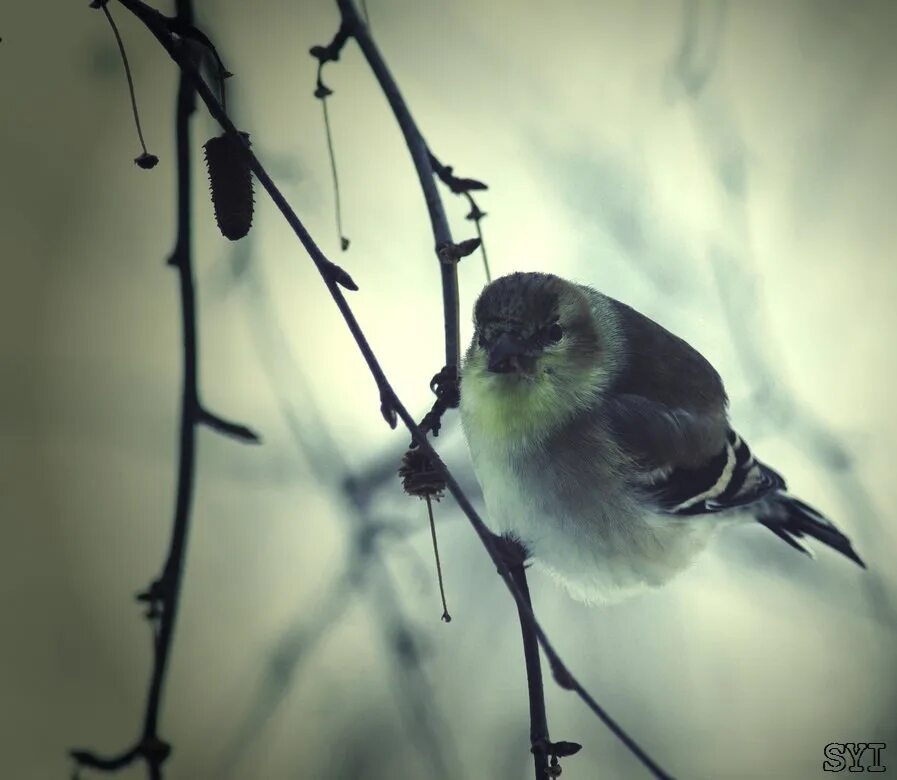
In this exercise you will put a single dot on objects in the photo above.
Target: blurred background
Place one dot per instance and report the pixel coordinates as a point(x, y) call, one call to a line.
point(726, 168)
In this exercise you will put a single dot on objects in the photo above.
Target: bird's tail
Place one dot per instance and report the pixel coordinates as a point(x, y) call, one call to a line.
point(791, 519)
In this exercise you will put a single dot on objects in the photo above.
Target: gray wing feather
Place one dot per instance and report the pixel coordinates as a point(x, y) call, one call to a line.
point(656, 436)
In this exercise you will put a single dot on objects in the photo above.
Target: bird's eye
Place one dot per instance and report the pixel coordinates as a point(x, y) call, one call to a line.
point(555, 332)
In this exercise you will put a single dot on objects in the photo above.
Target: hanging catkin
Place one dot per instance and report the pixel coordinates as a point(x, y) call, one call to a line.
point(231, 183)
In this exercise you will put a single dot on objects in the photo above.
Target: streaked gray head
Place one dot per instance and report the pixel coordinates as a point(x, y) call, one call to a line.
point(543, 350)
point(522, 317)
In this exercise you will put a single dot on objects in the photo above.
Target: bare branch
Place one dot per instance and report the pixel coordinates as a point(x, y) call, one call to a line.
point(464, 187)
point(420, 156)
point(541, 746)
point(157, 24)
point(163, 595)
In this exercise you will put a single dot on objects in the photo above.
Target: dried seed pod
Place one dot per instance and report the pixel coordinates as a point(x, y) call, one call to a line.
point(146, 161)
point(420, 477)
point(230, 180)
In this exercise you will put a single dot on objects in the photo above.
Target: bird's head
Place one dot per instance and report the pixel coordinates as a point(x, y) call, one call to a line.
point(539, 354)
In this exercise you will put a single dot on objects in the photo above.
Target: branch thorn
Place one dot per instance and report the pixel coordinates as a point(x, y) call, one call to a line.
point(234, 430)
point(388, 410)
point(451, 253)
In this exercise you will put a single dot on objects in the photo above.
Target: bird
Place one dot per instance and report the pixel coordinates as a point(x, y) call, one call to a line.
point(602, 441)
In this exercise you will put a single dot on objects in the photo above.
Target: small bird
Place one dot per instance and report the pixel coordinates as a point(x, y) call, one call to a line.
point(602, 441)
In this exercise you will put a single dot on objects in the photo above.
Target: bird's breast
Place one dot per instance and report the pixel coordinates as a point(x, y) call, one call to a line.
point(531, 492)
point(588, 532)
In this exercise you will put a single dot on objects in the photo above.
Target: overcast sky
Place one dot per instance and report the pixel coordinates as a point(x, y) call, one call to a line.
point(728, 169)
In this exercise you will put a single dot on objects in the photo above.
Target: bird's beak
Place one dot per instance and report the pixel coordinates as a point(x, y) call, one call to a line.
point(507, 355)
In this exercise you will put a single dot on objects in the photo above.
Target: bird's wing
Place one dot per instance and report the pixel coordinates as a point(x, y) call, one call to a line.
point(658, 437)
point(661, 443)
point(666, 409)
point(733, 479)
point(670, 401)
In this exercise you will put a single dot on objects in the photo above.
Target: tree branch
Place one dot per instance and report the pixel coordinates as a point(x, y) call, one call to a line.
point(538, 732)
point(420, 156)
point(330, 273)
point(542, 748)
point(464, 187)
point(163, 595)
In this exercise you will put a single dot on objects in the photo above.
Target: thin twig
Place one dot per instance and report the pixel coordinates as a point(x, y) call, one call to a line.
point(445, 613)
point(163, 595)
point(464, 187)
point(476, 215)
point(157, 24)
point(426, 166)
point(420, 155)
point(131, 92)
point(343, 241)
point(164, 592)
point(325, 54)
point(537, 717)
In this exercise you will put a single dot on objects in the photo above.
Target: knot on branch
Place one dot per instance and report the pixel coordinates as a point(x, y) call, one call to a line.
point(457, 185)
point(476, 213)
point(155, 750)
point(420, 476)
point(339, 276)
point(388, 408)
point(460, 186)
point(154, 597)
point(450, 253)
point(446, 387)
point(555, 751)
point(511, 551)
point(562, 675)
point(331, 52)
point(464, 187)
point(192, 32)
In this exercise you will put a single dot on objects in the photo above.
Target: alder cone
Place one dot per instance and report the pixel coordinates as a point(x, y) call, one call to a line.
point(230, 180)
point(420, 477)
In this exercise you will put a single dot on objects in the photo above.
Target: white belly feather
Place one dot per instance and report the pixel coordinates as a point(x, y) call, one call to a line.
point(612, 548)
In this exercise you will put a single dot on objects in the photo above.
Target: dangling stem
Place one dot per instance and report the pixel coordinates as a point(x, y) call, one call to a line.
point(124, 59)
point(445, 613)
point(344, 242)
point(476, 215)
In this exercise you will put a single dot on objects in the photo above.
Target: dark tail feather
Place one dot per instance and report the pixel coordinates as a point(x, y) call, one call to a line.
point(791, 519)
